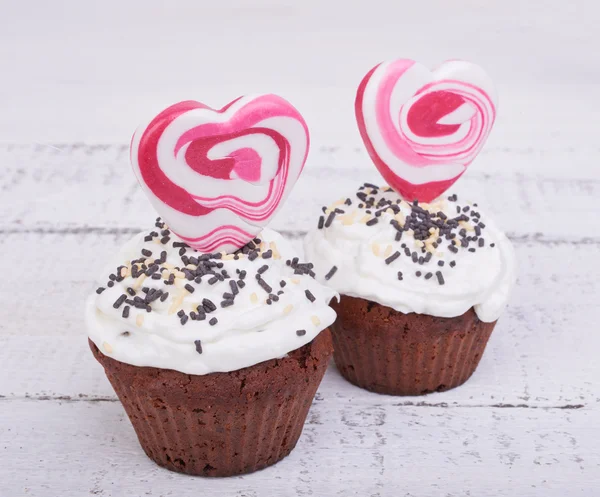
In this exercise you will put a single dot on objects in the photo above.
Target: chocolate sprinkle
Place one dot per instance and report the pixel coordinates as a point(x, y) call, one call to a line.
point(300, 333)
point(262, 269)
point(330, 219)
point(213, 321)
point(321, 222)
point(126, 311)
point(198, 344)
point(372, 221)
point(309, 295)
point(263, 284)
point(440, 277)
point(208, 305)
point(119, 301)
point(184, 319)
point(392, 258)
point(331, 273)
point(100, 289)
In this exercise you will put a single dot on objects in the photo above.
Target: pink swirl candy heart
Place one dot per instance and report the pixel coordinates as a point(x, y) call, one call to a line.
point(218, 176)
point(423, 128)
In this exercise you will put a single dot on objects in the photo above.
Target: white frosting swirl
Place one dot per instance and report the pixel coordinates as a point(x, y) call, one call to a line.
point(248, 332)
point(481, 278)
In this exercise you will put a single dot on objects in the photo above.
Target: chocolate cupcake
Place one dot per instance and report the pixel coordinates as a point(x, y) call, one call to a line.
point(422, 286)
point(216, 357)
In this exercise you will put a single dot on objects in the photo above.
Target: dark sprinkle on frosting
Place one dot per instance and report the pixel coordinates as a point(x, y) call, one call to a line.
point(309, 295)
point(331, 272)
point(392, 258)
point(191, 272)
point(433, 230)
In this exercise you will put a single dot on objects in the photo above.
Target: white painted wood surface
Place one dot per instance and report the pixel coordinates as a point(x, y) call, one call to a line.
point(76, 77)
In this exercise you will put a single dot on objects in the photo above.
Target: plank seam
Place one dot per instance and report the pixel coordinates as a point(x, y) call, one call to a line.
point(441, 405)
point(537, 238)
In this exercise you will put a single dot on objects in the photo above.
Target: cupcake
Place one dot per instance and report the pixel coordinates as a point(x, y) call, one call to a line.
point(215, 357)
point(423, 276)
point(210, 329)
point(422, 286)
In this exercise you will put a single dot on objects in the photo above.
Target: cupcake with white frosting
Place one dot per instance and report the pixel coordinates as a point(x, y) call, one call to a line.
point(215, 357)
point(422, 286)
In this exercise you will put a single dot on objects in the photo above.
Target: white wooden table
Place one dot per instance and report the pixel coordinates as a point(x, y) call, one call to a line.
point(76, 78)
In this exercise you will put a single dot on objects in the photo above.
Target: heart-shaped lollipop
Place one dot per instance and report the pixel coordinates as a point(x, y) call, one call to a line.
point(218, 176)
point(423, 128)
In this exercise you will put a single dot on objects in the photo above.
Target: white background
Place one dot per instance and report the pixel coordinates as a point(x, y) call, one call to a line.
point(75, 79)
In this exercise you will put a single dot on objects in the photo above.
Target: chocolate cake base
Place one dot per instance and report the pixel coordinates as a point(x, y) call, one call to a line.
point(221, 424)
point(386, 351)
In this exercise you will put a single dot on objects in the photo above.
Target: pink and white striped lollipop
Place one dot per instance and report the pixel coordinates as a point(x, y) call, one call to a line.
point(218, 176)
point(423, 128)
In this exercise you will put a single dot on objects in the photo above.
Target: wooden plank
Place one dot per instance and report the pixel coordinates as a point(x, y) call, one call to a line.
point(542, 351)
point(313, 53)
point(92, 187)
point(76, 448)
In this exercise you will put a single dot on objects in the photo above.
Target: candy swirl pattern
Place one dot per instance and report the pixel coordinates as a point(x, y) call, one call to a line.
point(423, 128)
point(218, 176)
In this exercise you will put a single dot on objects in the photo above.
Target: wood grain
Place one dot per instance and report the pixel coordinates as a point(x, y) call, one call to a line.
point(92, 189)
point(77, 77)
point(89, 448)
point(530, 359)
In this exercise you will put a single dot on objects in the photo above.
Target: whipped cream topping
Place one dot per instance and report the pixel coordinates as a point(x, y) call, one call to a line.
point(439, 259)
point(161, 303)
